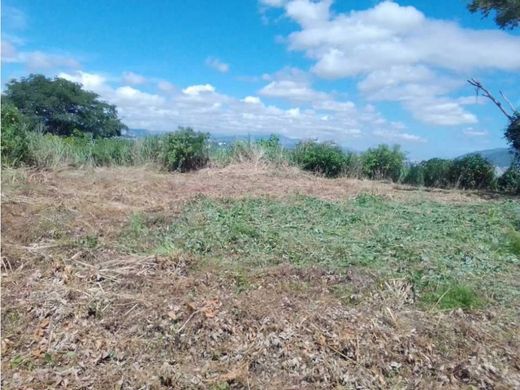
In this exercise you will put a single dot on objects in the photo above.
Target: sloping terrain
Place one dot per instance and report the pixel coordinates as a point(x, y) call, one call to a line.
point(251, 277)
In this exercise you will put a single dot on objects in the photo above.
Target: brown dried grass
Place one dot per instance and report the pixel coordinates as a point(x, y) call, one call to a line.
point(74, 317)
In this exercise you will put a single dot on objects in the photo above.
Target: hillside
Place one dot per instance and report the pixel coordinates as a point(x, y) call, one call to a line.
point(254, 277)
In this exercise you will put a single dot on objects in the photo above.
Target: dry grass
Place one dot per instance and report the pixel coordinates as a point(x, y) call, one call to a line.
point(81, 314)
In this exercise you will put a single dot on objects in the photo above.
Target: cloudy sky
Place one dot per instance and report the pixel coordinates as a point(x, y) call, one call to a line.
point(357, 72)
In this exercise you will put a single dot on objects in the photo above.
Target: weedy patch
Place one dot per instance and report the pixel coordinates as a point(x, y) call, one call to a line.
point(436, 243)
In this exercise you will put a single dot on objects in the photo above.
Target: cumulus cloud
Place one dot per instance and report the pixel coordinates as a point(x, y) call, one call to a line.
point(165, 86)
point(217, 65)
point(198, 89)
point(133, 78)
point(400, 54)
point(202, 107)
point(252, 100)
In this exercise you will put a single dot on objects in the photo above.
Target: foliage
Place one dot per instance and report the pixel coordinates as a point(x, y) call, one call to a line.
point(510, 180)
point(507, 12)
point(436, 172)
point(414, 175)
point(324, 158)
point(472, 172)
point(431, 244)
point(513, 133)
point(383, 162)
point(14, 142)
point(59, 106)
point(185, 150)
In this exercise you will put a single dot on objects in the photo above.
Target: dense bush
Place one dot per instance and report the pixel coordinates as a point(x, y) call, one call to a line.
point(414, 175)
point(472, 172)
point(185, 150)
point(510, 180)
point(14, 142)
point(436, 172)
point(383, 162)
point(324, 158)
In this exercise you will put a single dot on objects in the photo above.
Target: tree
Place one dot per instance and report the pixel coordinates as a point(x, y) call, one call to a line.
point(507, 12)
point(512, 133)
point(59, 106)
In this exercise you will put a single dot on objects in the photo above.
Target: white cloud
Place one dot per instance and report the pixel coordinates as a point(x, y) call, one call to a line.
point(90, 81)
point(397, 136)
point(400, 54)
point(13, 18)
point(133, 78)
point(198, 89)
point(470, 132)
point(203, 108)
point(252, 100)
point(36, 60)
point(273, 3)
point(165, 86)
point(217, 64)
point(291, 90)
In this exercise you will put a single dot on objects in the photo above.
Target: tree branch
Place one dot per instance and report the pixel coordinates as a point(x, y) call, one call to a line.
point(479, 87)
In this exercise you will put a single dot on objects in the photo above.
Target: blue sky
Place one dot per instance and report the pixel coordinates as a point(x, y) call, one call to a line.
point(356, 72)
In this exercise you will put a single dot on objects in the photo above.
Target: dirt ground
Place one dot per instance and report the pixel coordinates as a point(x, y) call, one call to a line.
point(77, 315)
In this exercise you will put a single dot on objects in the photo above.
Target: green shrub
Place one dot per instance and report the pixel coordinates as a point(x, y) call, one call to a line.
point(436, 172)
point(383, 162)
point(324, 158)
point(14, 142)
point(414, 175)
point(510, 180)
point(472, 172)
point(185, 150)
point(112, 151)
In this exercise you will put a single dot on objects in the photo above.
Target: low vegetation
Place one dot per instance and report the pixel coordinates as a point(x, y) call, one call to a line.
point(254, 277)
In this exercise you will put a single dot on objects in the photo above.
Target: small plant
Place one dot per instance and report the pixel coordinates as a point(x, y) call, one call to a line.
point(185, 150)
point(324, 158)
point(472, 172)
point(383, 162)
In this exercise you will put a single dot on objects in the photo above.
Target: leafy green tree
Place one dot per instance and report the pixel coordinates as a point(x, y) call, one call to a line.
point(14, 142)
point(60, 106)
point(510, 179)
point(414, 175)
point(383, 162)
point(507, 12)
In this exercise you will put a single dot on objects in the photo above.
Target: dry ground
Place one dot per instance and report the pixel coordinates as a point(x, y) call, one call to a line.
point(77, 314)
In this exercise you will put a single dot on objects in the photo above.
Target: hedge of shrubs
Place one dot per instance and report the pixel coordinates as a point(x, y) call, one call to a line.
point(186, 150)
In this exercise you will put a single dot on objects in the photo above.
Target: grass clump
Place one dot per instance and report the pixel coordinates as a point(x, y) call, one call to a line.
point(454, 296)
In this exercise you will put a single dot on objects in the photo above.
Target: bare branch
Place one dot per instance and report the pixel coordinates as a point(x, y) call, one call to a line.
point(479, 87)
point(508, 102)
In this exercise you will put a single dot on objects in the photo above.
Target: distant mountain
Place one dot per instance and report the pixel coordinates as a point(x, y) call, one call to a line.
point(499, 157)
point(286, 142)
point(138, 133)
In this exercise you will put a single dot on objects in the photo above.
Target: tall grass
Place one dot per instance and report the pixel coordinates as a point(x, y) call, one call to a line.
point(52, 151)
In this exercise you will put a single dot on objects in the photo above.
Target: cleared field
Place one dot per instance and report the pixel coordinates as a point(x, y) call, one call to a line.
point(248, 277)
